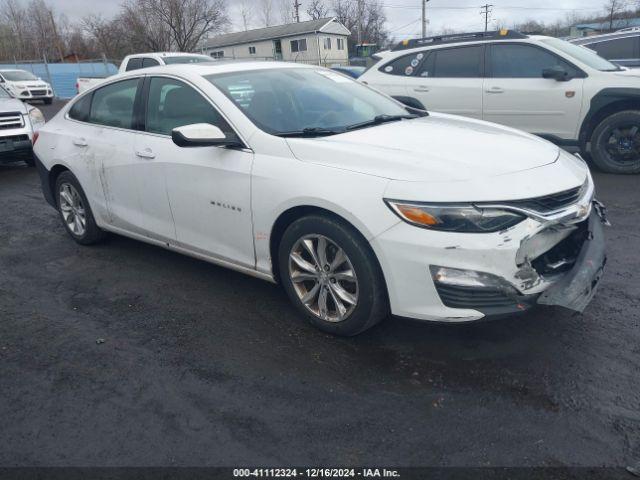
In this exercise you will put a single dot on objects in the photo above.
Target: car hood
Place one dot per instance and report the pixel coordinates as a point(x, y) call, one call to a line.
point(436, 148)
point(12, 105)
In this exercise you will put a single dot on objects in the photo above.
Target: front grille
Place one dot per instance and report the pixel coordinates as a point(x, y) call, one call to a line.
point(11, 120)
point(550, 203)
point(490, 301)
point(14, 138)
point(38, 93)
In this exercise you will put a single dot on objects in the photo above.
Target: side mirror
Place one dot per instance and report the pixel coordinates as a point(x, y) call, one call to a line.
point(202, 135)
point(556, 73)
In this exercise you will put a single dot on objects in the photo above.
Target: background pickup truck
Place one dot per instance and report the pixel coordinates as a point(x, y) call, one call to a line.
point(143, 60)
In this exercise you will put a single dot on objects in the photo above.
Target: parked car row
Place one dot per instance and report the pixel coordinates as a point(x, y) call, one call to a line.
point(26, 86)
point(143, 60)
point(358, 204)
point(542, 85)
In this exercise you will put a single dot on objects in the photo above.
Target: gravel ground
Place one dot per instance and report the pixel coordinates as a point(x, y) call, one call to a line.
point(204, 366)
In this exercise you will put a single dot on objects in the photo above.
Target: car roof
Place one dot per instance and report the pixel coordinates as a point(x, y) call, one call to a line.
point(219, 67)
point(166, 54)
point(606, 36)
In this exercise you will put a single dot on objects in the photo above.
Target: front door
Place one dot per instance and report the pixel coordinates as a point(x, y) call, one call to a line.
point(516, 94)
point(208, 187)
point(277, 49)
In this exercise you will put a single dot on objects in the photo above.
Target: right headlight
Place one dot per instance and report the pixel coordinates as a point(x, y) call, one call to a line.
point(462, 218)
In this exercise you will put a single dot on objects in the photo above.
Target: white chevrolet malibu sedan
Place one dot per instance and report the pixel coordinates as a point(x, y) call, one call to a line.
point(299, 175)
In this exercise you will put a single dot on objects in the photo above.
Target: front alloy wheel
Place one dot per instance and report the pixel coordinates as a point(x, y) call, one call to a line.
point(615, 146)
point(331, 275)
point(323, 278)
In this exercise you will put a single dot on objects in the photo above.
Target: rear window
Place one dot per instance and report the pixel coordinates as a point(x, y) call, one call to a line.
point(404, 66)
point(617, 49)
point(186, 59)
point(134, 64)
point(81, 109)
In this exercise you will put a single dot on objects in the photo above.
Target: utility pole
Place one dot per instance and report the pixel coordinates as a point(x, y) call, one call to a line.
point(55, 34)
point(360, 15)
point(486, 11)
point(424, 18)
point(296, 7)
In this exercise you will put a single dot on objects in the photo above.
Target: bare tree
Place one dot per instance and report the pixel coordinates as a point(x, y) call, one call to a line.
point(287, 14)
point(317, 9)
point(188, 21)
point(15, 18)
point(613, 8)
point(266, 12)
point(246, 13)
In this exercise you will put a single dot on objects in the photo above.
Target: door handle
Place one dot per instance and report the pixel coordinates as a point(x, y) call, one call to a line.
point(146, 153)
point(421, 89)
point(80, 142)
point(495, 90)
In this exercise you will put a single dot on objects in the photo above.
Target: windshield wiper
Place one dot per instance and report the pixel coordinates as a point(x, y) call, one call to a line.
point(311, 132)
point(380, 119)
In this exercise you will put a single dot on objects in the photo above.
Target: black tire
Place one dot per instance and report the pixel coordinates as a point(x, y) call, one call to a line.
point(605, 160)
point(92, 233)
point(48, 101)
point(372, 301)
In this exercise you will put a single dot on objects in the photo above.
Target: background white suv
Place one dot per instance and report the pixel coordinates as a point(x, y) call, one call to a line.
point(542, 85)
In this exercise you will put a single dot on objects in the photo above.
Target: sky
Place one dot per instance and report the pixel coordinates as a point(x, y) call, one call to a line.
point(404, 15)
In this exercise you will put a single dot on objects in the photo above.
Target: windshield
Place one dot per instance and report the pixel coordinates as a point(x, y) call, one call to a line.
point(286, 100)
point(187, 59)
point(4, 93)
point(18, 76)
point(584, 55)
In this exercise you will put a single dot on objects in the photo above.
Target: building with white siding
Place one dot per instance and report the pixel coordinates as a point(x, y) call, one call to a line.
point(320, 42)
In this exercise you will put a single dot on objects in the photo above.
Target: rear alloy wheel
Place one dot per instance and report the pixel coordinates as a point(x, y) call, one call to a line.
point(332, 276)
point(615, 145)
point(75, 212)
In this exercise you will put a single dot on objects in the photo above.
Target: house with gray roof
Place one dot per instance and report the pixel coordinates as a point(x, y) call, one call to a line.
point(318, 42)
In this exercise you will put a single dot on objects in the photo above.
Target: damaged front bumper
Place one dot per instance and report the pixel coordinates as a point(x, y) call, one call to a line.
point(535, 263)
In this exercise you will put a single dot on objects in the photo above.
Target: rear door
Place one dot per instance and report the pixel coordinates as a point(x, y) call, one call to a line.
point(449, 80)
point(517, 95)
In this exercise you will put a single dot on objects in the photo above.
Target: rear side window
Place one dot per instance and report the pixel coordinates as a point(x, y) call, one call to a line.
point(463, 62)
point(524, 61)
point(175, 104)
point(149, 62)
point(404, 66)
point(81, 109)
point(113, 105)
point(134, 64)
point(618, 49)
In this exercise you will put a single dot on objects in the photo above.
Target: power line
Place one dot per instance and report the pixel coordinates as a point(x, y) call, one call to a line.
point(486, 11)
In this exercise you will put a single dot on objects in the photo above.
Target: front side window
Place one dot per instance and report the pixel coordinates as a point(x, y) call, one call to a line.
point(134, 64)
point(299, 45)
point(582, 54)
point(617, 49)
point(465, 62)
point(113, 105)
point(282, 100)
point(173, 104)
point(524, 61)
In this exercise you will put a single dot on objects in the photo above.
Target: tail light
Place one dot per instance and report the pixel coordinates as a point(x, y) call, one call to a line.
point(77, 87)
point(35, 137)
